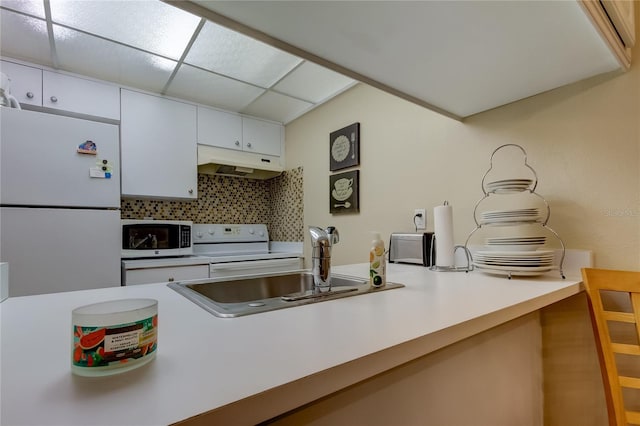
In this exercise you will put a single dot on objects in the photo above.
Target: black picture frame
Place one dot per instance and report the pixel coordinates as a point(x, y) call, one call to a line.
point(344, 147)
point(344, 192)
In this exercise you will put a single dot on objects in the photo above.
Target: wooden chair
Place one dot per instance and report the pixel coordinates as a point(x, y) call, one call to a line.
point(599, 282)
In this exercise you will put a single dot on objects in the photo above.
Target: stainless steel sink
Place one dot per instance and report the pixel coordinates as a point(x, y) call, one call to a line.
point(234, 297)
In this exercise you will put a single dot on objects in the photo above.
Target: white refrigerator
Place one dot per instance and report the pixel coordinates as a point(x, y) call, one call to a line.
point(59, 202)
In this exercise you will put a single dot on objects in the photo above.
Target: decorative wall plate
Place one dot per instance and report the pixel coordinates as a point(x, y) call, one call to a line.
point(343, 192)
point(344, 147)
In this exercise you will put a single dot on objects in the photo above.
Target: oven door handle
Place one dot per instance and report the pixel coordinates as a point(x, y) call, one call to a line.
point(254, 264)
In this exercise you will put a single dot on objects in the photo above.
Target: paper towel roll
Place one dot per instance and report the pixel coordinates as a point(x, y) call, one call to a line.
point(443, 229)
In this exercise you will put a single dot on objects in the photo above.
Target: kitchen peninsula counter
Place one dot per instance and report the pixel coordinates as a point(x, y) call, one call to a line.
point(244, 370)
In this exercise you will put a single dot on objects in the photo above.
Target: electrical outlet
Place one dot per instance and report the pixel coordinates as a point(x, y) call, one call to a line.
point(420, 218)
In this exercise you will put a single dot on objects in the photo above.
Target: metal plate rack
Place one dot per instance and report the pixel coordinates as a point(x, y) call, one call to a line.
point(512, 186)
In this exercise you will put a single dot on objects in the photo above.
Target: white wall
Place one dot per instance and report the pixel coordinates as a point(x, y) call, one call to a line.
point(583, 140)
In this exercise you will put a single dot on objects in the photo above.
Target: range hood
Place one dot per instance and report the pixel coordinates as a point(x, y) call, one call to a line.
point(229, 162)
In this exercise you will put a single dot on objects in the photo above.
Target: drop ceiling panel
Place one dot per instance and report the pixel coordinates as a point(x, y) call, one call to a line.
point(96, 57)
point(313, 83)
point(32, 7)
point(149, 25)
point(137, 44)
point(230, 53)
point(22, 37)
point(277, 107)
point(210, 89)
point(463, 57)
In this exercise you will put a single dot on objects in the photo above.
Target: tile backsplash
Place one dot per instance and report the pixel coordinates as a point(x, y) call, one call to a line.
point(286, 207)
point(277, 202)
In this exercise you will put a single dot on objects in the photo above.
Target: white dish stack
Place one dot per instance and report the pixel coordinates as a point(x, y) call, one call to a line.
point(515, 254)
point(495, 217)
point(515, 243)
point(515, 262)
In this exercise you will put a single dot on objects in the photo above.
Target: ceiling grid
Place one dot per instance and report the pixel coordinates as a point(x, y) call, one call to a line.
point(156, 47)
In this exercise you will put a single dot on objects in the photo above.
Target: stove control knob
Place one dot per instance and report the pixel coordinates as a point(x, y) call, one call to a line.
point(198, 234)
point(251, 231)
point(261, 233)
point(212, 231)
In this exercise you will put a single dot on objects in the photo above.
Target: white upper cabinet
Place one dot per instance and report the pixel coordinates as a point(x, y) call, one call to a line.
point(219, 128)
point(158, 147)
point(26, 82)
point(262, 137)
point(232, 131)
point(38, 87)
point(78, 95)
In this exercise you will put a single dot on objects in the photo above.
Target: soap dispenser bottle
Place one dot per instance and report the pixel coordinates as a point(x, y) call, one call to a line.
point(377, 262)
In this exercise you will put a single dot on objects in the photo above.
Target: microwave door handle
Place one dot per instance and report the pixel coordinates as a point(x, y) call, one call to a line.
point(253, 264)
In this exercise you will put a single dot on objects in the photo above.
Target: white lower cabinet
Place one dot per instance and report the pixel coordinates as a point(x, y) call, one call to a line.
point(165, 274)
point(158, 147)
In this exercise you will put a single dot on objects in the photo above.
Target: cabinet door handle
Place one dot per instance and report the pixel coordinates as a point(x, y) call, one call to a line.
point(54, 99)
point(248, 144)
point(30, 95)
point(237, 143)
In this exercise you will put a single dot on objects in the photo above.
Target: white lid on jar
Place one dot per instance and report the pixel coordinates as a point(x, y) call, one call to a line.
point(114, 312)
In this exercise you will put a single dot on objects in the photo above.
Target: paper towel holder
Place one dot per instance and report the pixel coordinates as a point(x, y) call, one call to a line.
point(452, 268)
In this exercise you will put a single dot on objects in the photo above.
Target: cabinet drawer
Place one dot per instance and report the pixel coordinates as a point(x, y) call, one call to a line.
point(78, 95)
point(160, 275)
point(26, 82)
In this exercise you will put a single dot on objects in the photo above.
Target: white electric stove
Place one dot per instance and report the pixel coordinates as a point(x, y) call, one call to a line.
point(219, 251)
point(243, 249)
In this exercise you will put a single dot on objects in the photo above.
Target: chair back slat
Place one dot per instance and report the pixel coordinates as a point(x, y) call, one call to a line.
point(627, 283)
point(635, 304)
point(621, 348)
point(630, 382)
point(633, 417)
point(619, 316)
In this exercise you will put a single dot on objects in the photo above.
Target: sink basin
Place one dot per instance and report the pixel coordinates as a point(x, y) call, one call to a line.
point(233, 297)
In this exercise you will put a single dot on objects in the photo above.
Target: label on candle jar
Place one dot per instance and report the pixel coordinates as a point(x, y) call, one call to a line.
point(106, 346)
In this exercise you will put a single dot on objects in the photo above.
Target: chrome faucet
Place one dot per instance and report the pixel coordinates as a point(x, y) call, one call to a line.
point(321, 242)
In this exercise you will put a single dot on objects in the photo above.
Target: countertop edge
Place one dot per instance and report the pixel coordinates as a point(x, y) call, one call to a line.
point(273, 402)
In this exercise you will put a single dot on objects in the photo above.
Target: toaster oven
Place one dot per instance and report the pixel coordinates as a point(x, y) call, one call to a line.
point(411, 247)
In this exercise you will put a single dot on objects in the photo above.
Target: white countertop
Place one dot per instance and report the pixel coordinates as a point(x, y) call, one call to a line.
point(204, 362)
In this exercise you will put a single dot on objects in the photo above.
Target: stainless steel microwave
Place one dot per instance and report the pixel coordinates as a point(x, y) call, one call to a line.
point(156, 238)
